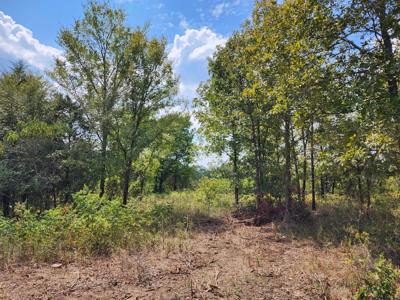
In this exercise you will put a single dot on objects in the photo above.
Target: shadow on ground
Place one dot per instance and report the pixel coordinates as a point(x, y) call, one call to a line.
point(339, 222)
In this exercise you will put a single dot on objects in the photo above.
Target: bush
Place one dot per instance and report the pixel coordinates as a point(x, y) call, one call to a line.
point(100, 225)
point(213, 191)
point(380, 281)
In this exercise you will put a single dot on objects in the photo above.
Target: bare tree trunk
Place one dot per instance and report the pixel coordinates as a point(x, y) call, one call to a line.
point(104, 143)
point(288, 189)
point(313, 204)
point(259, 189)
point(296, 167)
point(359, 185)
point(369, 187)
point(127, 178)
point(235, 169)
point(322, 181)
point(278, 163)
point(303, 190)
point(260, 158)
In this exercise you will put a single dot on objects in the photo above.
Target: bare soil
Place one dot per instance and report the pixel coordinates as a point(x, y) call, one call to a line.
point(223, 259)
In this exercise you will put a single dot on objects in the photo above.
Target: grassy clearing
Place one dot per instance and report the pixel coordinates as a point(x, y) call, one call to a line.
point(371, 238)
point(341, 221)
point(91, 226)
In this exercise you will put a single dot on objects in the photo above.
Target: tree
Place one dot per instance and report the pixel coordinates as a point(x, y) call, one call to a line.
point(94, 69)
point(150, 84)
point(175, 163)
point(27, 131)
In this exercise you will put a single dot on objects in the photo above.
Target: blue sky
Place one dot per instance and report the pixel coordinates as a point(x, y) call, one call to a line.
point(29, 28)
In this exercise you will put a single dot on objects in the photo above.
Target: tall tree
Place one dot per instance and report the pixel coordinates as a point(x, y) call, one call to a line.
point(150, 85)
point(94, 69)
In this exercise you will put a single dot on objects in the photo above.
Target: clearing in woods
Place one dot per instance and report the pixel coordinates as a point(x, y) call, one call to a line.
point(223, 259)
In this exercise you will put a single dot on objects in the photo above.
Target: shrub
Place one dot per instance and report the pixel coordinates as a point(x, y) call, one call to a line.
point(212, 191)
point(380, 281)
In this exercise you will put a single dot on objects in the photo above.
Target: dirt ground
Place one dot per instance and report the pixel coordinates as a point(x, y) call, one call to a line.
point(223, 259)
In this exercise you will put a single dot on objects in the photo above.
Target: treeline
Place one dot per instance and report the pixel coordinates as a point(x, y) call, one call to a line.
point(100, 120)
point(304, 99)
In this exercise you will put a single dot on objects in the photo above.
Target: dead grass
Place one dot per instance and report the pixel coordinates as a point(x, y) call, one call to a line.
point(341, 222)
point(223, 260)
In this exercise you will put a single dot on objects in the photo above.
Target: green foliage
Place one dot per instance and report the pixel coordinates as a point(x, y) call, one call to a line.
point(380, 281)
point(211, 190)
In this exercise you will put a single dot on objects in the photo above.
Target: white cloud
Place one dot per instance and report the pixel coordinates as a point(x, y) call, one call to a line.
point(195, 44)
point(189, 53)
point(17, 43)
point(188, 90)
point(219, 9)
point(224, 7)
point(210, 160)
point(184, 24)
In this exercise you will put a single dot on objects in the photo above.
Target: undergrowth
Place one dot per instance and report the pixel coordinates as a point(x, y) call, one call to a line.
point(92, 226)
point(371, 236)
point(340, 221)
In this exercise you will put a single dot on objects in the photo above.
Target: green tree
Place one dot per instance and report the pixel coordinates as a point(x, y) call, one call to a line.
point(175, 165)
point(94, 69)
point(150, 85)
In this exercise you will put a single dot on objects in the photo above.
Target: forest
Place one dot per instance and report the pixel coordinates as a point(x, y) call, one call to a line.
point(302, 105)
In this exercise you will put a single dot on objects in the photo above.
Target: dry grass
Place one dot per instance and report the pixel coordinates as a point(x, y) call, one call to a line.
point(222, 260)
point(215, 256)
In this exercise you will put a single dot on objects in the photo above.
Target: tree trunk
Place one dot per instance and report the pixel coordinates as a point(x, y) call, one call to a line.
point(260, 158)
point(359, 185)
point(296, 167)
point(313, 204)
point(142, 183)
point(322, 181)
point(322, 186)
point(369, 187)
point(288, 189)
point(54, 196)
point(235, 169)
point(392, 87)
point(303, 190)
point(6, 205)
point(127, 178)
point(67, 195)
point(360, 190)
point(104, 143)
point(174, 183)
point(159, 184)
point(259, 189)
point(278, 163)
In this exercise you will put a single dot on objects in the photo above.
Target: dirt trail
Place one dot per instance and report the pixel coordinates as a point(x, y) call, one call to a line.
point(223, 260)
